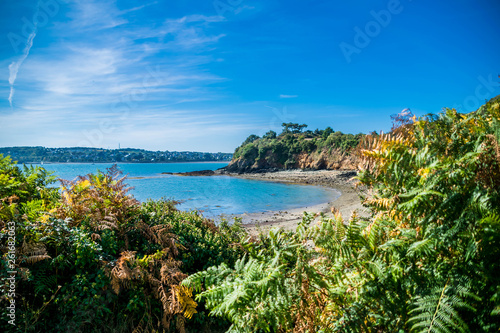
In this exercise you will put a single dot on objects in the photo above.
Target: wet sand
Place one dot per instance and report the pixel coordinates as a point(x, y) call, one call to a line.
point(342, 181)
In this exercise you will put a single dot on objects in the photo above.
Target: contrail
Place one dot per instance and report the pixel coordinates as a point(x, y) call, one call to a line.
point(15, 65)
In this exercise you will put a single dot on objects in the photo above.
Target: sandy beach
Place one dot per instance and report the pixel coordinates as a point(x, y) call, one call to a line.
point(341, 181)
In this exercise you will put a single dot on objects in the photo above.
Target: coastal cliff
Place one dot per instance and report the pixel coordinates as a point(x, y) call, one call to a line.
point(294, 149)
point(324, 160)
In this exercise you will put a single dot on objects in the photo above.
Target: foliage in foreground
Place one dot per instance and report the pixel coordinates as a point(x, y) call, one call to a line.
point(93, 259)
point(426, 261)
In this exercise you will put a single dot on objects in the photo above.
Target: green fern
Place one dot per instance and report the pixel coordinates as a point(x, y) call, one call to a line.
point(44, 282)
point(439, 311)
point(423, 248)
point(253, 295)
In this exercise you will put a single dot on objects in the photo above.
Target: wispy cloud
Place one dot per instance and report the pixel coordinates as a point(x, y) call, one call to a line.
point(94, 15)
point(138, 7)
point(108, 66)
point(174, 129)
point(15, 65)
point(185, 33)
point(289, 96)
point(100, 57)
point(243, 8)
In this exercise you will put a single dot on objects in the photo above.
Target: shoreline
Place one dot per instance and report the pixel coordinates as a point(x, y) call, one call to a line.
point(342, 181)
point(173, 162)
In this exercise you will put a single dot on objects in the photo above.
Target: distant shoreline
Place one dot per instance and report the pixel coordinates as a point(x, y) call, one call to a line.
point(173, 162)
point(39, 154)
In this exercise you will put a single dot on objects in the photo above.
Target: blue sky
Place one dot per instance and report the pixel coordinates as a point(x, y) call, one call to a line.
point(203, 75)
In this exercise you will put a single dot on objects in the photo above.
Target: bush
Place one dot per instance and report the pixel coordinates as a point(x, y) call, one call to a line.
point(282, 151)
point(96, 260)
point(426, 260)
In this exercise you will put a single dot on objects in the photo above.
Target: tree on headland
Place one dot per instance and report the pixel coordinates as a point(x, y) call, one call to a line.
point(251, 138)
point(293, 128)
point(326, 133)
point(270, 135)
point(282, 151)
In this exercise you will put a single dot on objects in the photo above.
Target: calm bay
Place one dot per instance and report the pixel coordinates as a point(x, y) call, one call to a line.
point(213, 195)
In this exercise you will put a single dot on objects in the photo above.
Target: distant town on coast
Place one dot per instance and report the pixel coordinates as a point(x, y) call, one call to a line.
point(100, 155)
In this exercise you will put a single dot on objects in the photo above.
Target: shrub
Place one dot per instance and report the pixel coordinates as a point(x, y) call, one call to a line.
point(426, 260)
point(96, 260)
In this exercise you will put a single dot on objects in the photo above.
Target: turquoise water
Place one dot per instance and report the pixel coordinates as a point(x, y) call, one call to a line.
point(214, 195)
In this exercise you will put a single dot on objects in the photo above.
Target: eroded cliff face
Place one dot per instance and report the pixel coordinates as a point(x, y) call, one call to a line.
point(241, 165)
point(335, 160)
point(324, 160)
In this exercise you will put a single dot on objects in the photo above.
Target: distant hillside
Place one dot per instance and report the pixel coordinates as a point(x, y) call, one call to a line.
point(99, 155)
point(296, 148)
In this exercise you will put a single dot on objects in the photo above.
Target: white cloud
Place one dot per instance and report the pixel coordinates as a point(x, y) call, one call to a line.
point(172, 129)
point(89, 77)
point(15, 65)
point(120, 63)
point(98, 60)
point(125, 11)
point(289, 96)
point(187, 32)
point(243, 8)
point(95, 15)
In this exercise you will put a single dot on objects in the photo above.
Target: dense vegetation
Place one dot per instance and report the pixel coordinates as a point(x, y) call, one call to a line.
point(100, 155)
point(296, 148)
point(93, 259)
point(426, 261)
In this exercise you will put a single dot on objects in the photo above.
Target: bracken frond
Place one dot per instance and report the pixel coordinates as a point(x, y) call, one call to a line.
point(438, 312)
point(185, 298)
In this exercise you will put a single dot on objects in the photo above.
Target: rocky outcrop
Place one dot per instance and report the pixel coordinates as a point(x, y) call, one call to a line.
point(335, 160)
point(241, 165)
point(324, 160)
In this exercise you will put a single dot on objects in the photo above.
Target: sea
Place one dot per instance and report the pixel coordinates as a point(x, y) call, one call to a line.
point(214, 196)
